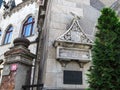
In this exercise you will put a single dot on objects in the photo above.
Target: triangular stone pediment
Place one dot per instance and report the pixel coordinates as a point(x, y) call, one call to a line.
point(75, 34)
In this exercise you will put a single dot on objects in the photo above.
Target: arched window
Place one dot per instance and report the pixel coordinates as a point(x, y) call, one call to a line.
point(8, 35)
point(28, 27)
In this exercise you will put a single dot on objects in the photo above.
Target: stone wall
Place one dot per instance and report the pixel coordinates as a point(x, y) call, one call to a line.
point(59, 19)
point(17, 67)
point(8, 82)
point(108, 2)
point(16, 18)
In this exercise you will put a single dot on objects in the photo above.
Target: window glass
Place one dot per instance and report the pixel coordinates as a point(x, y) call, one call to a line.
point(8, 35)
point(28, 27)
point(30, 19)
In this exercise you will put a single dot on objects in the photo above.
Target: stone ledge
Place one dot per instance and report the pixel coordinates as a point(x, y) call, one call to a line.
point(18, 59)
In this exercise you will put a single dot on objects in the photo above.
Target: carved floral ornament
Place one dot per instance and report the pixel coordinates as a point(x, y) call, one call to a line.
point(73, 45)
point(75, 34)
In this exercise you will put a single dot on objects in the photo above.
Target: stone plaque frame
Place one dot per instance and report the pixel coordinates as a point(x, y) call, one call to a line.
point(76, 54)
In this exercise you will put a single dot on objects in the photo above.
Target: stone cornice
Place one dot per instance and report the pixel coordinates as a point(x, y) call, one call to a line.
point(18, 7)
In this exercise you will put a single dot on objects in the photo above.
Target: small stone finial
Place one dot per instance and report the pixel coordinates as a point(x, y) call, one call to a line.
point(10, 5)
point(21, 41)
point(75, 15)
point(5, 5)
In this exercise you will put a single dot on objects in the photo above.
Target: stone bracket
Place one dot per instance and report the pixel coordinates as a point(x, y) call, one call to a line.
point(65, 62)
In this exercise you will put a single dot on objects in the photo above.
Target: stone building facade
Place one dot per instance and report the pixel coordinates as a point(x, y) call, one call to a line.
point(69, 32)
point(61, 35)
point(14, 23)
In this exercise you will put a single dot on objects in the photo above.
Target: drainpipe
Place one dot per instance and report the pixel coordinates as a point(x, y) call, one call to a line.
point(37, 42)
point(39, 26)
point(44, 44)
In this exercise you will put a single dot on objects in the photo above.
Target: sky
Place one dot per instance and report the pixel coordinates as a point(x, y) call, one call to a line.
point(0, 2)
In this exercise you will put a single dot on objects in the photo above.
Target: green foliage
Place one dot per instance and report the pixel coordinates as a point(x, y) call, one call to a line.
point(105, 72)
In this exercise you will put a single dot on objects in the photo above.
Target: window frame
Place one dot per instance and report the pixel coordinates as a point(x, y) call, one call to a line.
point(8, 34)
point(24, 27)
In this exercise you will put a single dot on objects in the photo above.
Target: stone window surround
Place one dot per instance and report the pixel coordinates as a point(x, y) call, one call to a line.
point(26, 23)
point(23, 21)
point(7, 32)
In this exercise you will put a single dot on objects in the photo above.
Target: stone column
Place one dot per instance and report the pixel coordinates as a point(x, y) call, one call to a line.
point(17, 68)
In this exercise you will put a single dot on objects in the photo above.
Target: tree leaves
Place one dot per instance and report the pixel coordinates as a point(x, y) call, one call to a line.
point(105, 71)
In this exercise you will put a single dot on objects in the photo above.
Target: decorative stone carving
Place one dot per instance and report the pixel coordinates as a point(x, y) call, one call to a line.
point(8, 7)
point(21, 41)
point(18, 7)
point(73, 54)
point(75, 34)
point(73, 45)
point(20, 52)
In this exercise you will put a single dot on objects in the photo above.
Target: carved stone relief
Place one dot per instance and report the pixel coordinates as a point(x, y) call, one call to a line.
point(74, 54)
point(9, 11)
point(8, 7)
point(73, 45)
point(75, 34)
